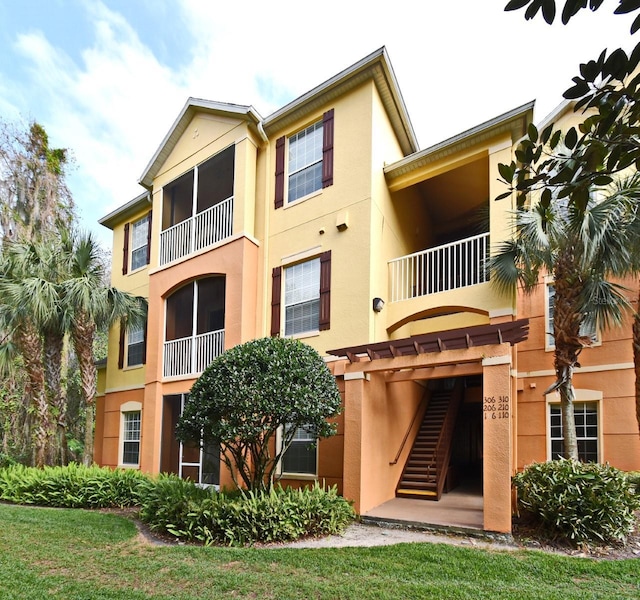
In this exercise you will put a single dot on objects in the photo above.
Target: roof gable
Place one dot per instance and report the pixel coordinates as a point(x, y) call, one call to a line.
point(189, 111)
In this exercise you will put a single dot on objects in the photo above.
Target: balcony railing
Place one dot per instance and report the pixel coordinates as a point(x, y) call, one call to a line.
point(192, 355)
point(440, 269)
point(195, 233)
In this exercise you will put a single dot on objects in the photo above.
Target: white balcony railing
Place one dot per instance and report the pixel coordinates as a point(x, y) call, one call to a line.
point(192, 355)
point(440, 269)
point(195, 233)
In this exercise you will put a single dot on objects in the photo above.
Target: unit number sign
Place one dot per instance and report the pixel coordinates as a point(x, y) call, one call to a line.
point(496, 408)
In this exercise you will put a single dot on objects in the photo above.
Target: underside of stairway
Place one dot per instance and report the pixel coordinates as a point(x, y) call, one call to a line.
point(426, 468)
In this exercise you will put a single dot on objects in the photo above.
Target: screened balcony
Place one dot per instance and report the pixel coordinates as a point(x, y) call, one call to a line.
point(198, 208)
point(194, 332)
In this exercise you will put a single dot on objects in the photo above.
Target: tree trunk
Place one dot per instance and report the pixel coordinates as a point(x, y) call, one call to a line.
point(83, 335)
point(636, 359)
point(30, 346)
point(53, 352)
point(87, 455)
point(566, 329)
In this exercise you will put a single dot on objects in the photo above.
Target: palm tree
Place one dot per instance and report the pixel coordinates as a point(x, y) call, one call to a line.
point(93, 304)
point(585, 249)
point(27, 301)
point(51, 287)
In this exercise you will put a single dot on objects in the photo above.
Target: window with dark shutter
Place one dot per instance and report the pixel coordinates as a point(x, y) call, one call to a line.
point(121, 346)
point(327, 149)
point(279, 198)
point(144, 345)
point(125, 250)
point(325, 291)
point(276, 293)
point(149, 238)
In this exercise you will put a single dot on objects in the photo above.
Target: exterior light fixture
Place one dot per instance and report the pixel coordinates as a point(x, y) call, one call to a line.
point(378, 304)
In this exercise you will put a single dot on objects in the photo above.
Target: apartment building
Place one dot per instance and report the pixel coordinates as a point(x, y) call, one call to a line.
point(324, 221)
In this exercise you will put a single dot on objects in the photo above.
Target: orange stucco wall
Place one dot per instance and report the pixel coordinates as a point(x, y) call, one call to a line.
point(497, 443)
point(108, 417)
point(605, 376)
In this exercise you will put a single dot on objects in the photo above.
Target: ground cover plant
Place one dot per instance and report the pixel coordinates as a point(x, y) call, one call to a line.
point(60, 553)
point(171, 505)
point(174, 506)
point(73, 486)
point(585, 503)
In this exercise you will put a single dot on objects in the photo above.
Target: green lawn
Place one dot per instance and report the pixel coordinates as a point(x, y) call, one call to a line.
point(74, 554)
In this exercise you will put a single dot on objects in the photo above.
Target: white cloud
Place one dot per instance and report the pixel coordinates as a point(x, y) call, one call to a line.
point(457, 64)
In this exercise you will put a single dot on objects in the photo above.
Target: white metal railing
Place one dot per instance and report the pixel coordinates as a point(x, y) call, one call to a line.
point(192, 355)
point(440, 269)
point(195, 233)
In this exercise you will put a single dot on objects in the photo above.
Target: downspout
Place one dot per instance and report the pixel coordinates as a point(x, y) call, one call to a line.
point(266, 217)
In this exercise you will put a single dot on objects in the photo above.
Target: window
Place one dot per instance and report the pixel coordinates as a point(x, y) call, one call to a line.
point(135, 346)
point(139, 241)
point(310, 160)
point(132, 349)
point(305, 162)
point(137, 238)
point(131, 437)
point(302, 297)
point(586, 417)
point(586, 330)
point(307, 296)
point(301, 456)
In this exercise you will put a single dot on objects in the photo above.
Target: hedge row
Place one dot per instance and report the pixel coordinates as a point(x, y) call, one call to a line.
point(176, 506)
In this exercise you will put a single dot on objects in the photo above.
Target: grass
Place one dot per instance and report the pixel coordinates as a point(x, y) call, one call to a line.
point(76, 554)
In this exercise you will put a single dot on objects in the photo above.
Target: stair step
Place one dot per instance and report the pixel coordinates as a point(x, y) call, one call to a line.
point(419, 477)
point(418, 485)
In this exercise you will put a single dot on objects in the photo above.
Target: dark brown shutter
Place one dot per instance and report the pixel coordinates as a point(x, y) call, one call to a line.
point(125, 250)
point(276, 294)
point(327, 149)
point(149, 238)
point(325, 291)
point(279, 200)
point(144, 345)
point(121, 346)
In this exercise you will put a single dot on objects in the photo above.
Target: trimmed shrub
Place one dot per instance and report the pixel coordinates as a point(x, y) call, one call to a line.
point(634, 480)
point(276, 515)
point(73, 486)
point(581, 502)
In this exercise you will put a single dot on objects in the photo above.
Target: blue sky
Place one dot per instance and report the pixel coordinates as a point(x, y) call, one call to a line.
point(107, 78)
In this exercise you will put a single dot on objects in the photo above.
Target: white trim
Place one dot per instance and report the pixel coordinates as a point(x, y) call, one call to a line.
point(582, 396)
point(496, 360)
point(502, 312)
point(126, 388)
point(288, 475)
point(302, 199)
point(129, 407)
point(549, 281)
point(591, 369)
point(357, 375)
point(506, 145)
point(301, 256)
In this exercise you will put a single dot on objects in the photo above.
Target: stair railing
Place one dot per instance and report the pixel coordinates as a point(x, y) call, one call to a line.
point(408, 431)
point(442, 452)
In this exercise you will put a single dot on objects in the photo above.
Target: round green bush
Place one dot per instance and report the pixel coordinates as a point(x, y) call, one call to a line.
point(581, 502)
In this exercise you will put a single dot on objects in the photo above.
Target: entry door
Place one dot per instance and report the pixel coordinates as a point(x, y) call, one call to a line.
point(200, 465)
